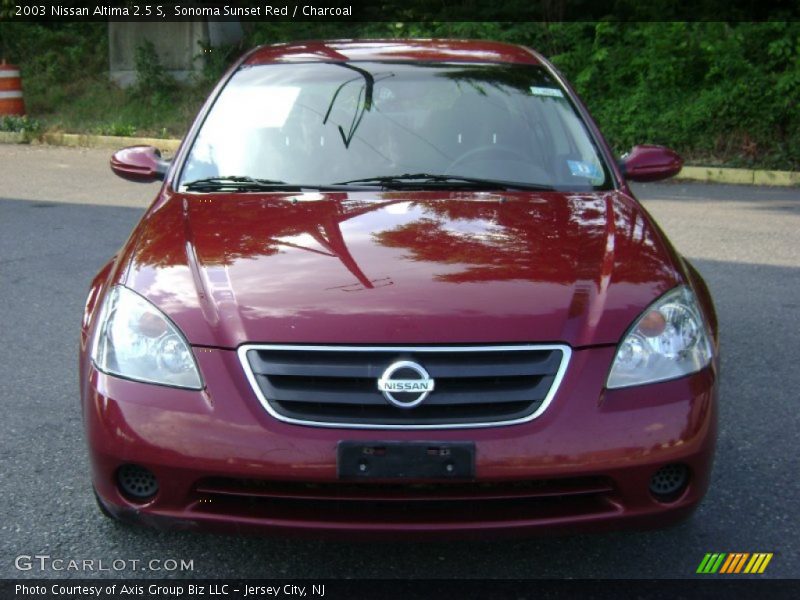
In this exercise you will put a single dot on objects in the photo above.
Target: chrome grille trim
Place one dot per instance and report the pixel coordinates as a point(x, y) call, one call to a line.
point(566, 355)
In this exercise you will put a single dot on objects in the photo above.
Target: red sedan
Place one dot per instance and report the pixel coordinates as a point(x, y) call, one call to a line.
point(398, 288)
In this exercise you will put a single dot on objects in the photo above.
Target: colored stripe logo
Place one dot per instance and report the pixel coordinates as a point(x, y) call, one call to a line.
point(734, 562)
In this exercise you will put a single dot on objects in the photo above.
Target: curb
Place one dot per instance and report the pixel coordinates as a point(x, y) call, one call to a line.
point(740, 176)
point(107, 141)
point(704, 174)
point(12, 137)
point(76, 140)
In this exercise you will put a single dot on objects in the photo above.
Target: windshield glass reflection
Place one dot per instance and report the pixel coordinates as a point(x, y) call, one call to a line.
point(323, 123)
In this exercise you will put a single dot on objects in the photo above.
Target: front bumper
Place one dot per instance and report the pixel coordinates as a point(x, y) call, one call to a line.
point(224, 464)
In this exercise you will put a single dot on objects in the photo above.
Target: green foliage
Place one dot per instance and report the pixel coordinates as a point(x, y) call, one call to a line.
point(104, 108)
point(215, 61)
point(20, 124)
point(153, 82)
point(6, 8)
point(718, 93)
point(116, 128)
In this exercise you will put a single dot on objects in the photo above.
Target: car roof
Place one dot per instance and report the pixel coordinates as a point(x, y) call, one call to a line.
point(432, 50)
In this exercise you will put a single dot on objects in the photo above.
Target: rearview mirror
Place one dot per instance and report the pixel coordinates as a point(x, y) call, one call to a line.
point(650, 163)
point(139, 163)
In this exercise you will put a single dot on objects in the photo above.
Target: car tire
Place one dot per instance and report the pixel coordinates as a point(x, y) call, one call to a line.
point(106, 513)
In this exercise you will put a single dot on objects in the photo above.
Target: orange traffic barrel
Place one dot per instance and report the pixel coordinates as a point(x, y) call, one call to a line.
point(10, 91)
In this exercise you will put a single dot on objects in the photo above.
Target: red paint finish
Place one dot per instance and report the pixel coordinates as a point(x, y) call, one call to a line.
point(430, 267)
point(187, 437)
point(419, 267)
point(651, 163)
point(393, 50)
point(138, 163)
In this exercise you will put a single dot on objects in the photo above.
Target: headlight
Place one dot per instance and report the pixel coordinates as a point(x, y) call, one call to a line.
point(669, 340)
point(137, 341)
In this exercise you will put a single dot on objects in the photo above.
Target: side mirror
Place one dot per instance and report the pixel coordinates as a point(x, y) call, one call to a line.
point(139, 163)
point(650, 163)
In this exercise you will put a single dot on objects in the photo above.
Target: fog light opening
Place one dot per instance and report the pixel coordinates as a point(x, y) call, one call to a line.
point(136, 483)
point(669, 482)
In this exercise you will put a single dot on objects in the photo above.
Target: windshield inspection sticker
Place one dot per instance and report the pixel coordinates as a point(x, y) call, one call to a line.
point(578, 168)
point(551, 92)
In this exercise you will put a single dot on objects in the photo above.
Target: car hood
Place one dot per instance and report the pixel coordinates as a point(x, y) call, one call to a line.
point(400, 267)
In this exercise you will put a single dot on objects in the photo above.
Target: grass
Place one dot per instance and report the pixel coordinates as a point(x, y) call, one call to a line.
point(94, 105)
point(98, 106)
point(20, 124)
point(718, 93)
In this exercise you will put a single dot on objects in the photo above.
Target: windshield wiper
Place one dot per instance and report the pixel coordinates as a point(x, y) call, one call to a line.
point(235, 182)
point(431, 180)
point(242, 183)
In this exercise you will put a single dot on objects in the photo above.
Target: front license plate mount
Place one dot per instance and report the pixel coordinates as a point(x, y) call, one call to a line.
point(405, 460)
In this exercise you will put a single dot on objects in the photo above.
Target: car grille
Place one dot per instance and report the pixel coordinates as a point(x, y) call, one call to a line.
point(439, 503)
point(337, 386)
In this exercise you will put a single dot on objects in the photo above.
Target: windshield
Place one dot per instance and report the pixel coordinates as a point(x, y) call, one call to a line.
point(317, 124)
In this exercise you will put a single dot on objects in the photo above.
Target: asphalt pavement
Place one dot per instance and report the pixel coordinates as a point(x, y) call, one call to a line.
point(63, 214)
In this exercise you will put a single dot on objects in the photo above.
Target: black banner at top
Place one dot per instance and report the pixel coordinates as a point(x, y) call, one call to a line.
point(398, 10)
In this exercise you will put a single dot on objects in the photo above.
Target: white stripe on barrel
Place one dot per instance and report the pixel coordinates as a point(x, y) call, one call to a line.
point(6, 73)
point(14, 94)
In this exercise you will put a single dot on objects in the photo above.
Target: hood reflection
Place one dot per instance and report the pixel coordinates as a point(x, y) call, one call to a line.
point(412, 266)
point(555, 238)
point(548, 240)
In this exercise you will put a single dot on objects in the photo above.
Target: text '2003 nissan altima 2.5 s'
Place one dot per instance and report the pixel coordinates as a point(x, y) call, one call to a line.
point(398, 288)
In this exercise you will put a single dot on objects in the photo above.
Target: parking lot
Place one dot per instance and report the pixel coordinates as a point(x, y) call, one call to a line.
point(63, 214)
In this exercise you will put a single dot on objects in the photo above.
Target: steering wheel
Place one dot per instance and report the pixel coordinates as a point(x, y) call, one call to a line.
point(487, 149)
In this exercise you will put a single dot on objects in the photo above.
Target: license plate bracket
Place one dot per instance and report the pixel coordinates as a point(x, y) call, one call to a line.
point(405, 460)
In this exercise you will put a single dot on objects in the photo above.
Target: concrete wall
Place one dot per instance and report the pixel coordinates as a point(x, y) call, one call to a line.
point(179, 46)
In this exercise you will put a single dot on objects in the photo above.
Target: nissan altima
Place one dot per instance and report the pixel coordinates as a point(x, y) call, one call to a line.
point(398, 288)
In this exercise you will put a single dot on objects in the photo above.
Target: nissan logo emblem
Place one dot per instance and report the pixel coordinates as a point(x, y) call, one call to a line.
point(411, 392)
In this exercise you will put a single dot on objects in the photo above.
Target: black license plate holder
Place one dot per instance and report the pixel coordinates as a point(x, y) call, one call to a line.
point(405, 460)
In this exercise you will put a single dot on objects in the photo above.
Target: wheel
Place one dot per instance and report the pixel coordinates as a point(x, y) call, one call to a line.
point(106, 513)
